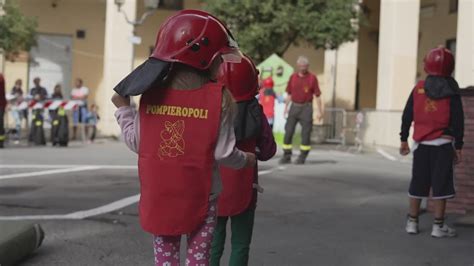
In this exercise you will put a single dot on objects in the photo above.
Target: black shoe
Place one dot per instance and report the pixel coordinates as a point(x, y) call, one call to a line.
point(286, 159)
point(302, 158)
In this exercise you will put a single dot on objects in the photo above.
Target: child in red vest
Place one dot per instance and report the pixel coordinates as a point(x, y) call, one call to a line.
point(435, 107)
point(267, 98)
point(238, 199)
point(182, 132)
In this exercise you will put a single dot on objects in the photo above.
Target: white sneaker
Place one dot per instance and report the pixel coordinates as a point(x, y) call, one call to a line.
point(443, 231)
point(411, 227)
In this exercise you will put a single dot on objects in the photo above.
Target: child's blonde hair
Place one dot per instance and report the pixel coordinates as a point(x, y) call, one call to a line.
point(183, 77)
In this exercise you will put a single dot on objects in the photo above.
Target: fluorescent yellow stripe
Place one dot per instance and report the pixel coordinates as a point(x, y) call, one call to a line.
point(61, 112)
point(287, 146)
point(305, 147)
point(2, 137)
point(38, 123)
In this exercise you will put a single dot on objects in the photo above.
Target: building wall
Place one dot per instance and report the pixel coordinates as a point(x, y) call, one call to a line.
point(66, 18)
point(437, 25)
point(16, 70)
point(368, 54)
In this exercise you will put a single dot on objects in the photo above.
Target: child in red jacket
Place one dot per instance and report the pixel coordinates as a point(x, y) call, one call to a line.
point(253, 133)
point(182, 132)
point(435, 107)
point(267, 99)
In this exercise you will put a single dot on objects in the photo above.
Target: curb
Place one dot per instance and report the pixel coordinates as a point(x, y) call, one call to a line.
point(465, 221)
point(18, 240)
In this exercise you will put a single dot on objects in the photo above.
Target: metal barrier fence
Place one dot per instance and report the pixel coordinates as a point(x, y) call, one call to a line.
point(336, 118)
point(342, 128)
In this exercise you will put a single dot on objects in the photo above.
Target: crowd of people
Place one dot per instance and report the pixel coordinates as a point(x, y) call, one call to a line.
point(19, 104)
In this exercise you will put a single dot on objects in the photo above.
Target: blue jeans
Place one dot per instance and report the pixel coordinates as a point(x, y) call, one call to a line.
point(79, 115)
point(17, 116)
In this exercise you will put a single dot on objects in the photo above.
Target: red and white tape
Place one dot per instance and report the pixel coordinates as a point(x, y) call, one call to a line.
point(49, 104)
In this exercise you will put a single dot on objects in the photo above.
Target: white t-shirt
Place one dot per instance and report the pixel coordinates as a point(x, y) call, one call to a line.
point(79, 93)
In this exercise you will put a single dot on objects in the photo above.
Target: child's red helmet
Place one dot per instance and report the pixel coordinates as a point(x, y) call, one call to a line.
point(240, 78)
point(268, 83)
point(194, 38)
point(439, 62)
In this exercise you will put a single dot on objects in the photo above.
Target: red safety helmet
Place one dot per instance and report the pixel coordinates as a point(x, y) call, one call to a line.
point(439, 62)
point(268, 83)
point(240, 78)
point(195, 38)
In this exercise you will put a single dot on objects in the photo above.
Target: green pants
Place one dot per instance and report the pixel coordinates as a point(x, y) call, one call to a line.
point(241, 229)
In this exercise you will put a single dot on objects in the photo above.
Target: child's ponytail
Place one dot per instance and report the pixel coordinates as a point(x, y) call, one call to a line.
point(229, 107)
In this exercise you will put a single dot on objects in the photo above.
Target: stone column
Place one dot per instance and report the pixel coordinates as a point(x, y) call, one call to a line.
point(398, 45)
point(118, 56)
point(465, 44)
point(346, 73)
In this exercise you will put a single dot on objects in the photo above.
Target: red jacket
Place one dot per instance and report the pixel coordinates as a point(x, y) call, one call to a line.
point(303, 88)
point(267, 100)
point(431, 116)
point(178, 134)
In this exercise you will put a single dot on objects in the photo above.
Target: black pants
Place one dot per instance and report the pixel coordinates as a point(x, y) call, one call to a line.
point(433, 169)
point(2, 127)
point(303, 114)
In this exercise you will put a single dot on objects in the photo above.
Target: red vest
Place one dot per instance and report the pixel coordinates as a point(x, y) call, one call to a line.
point(431, 117)
point(178, 134)
point(268, 103)
point(237, 192)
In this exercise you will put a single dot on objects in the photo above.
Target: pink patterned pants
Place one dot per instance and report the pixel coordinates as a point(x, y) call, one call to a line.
point(199, 244)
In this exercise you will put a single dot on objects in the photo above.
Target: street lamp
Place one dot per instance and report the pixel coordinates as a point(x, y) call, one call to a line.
point(150, 5)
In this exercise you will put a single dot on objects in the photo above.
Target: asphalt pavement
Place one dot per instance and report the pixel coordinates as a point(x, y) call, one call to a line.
point(338, 209)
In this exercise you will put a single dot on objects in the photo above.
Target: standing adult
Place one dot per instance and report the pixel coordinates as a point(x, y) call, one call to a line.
point(57, 95)
point(57, 92)
point(3, 104)
point(79, 116)
point(38, 92)
point(17, 114)
point(301, 89)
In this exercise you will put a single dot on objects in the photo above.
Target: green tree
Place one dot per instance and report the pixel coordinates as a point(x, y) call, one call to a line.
point(17, 32)
point(263, 27)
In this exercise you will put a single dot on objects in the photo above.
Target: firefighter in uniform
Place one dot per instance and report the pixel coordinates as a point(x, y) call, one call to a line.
point(3, 104)
point(182, 132)
point(301, 89)
point(238, 199)
point(435, 107)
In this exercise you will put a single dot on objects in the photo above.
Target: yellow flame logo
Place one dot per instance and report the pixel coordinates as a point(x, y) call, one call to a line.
point(172, 144)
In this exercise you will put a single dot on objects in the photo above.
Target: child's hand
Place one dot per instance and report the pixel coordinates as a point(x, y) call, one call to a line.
point(120, 101)
point(258, 188)
point(458, 157)
point(404, 148)
point(251, 160)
